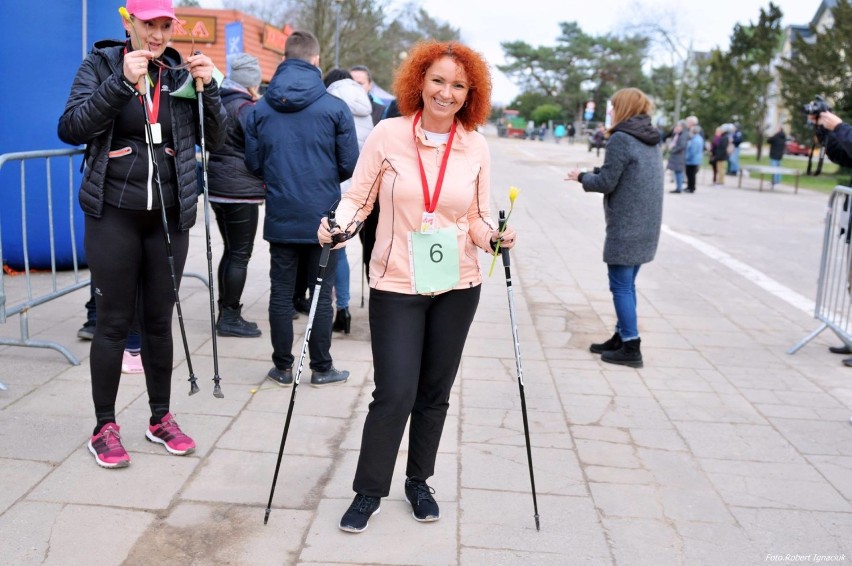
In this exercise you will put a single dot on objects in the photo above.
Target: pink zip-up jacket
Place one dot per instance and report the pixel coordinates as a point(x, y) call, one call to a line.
point(387, 169)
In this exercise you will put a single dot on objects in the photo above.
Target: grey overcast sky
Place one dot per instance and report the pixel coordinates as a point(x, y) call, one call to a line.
point(484, 24)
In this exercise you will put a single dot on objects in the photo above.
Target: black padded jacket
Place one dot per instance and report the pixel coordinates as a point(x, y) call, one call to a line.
point(227, 174)
point(838, 145)
point(98, 95)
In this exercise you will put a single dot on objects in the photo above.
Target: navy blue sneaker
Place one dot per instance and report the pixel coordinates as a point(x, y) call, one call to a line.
point(330, 377)
point(358, 515)
point(87, 332)
point(424, 508)
point(283, 377)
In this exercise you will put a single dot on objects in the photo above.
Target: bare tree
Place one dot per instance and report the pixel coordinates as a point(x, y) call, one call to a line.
point(372, 32)
point(670, 43)
point(275, 12)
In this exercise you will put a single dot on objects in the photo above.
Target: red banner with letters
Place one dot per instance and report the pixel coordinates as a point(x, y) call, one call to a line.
point(201, 29)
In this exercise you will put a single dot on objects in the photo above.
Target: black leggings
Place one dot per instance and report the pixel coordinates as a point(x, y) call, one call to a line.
point(126, 250)
point(417, 344)
point(238, 225)
point(134, 342)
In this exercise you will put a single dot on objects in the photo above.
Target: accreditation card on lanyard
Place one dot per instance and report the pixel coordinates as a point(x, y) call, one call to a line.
point(152, 108)
point(433, 253)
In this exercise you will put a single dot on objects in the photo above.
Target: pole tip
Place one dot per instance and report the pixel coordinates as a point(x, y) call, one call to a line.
point(217, 392)
point(537, 524)
point(266, 515)
point(193, 388)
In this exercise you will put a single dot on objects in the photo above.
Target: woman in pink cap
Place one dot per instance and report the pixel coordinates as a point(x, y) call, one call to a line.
point(121, 93)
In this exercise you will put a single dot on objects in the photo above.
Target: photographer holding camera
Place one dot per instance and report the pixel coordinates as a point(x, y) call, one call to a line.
point(836, 137)
point(838, 140)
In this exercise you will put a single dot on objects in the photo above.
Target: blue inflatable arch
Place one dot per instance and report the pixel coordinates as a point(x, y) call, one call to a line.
point(43, 44)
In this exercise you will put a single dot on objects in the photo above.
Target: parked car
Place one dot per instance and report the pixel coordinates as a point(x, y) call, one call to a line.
point(795, 148)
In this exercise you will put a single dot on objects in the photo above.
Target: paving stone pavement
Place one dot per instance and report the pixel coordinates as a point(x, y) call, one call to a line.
point(723, 449)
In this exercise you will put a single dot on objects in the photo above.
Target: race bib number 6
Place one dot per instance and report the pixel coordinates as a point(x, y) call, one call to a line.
point(434, 260)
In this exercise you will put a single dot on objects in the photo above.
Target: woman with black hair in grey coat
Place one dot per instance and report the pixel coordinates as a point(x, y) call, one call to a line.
point(631, 180)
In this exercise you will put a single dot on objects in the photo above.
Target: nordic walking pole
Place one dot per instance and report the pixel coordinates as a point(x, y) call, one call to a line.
point(199, 89)
point(507, 268)
point(193, 385)
point(323, 262)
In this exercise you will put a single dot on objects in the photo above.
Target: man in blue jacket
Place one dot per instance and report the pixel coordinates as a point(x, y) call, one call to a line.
point(301, 141)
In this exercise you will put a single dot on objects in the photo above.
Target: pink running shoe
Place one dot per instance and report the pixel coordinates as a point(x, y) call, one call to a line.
point(107, 449)
point(169, 434)
point(131, 363)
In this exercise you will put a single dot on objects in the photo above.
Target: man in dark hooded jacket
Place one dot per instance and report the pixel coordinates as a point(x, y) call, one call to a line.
point(302, 142)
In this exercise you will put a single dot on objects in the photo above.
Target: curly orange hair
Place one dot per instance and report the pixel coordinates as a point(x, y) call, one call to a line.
point(408, 83)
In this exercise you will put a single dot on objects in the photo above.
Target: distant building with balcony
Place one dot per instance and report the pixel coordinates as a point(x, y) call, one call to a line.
point(777, 114)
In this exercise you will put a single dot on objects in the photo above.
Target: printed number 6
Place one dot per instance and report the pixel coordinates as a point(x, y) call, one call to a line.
point(436, 255)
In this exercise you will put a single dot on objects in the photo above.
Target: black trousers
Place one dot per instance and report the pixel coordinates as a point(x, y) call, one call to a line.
point(238, 225)
point(284, 264)
point(127, 254)
point(417, 344)
point(691, 172)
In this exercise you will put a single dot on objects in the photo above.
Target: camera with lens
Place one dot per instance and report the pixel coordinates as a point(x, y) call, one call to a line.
point(813, 109)
point(816, 107)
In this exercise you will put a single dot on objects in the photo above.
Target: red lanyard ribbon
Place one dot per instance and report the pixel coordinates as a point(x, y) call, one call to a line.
point(154, 108)
point(431, 205)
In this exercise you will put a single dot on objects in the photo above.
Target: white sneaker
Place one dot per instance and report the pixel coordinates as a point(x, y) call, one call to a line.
point(131, 363)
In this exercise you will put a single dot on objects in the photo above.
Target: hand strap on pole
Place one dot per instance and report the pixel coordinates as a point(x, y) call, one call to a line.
point(503, 251)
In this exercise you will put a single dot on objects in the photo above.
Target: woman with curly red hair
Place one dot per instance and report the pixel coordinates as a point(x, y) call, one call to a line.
point(430, 171)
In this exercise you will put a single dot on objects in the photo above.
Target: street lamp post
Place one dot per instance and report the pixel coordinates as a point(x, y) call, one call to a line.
point(337, 6)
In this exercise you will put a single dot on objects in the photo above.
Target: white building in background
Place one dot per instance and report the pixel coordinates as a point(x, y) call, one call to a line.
point(823, 19)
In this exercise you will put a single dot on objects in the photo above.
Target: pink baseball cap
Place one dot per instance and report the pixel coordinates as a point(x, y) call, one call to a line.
point(151, 9)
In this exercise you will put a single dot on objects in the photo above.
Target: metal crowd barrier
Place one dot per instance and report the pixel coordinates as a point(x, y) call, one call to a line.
point(40, 287)
point(833, 301)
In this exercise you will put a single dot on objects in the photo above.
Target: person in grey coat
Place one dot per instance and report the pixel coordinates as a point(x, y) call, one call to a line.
point(631, 180)
point(677, 154)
